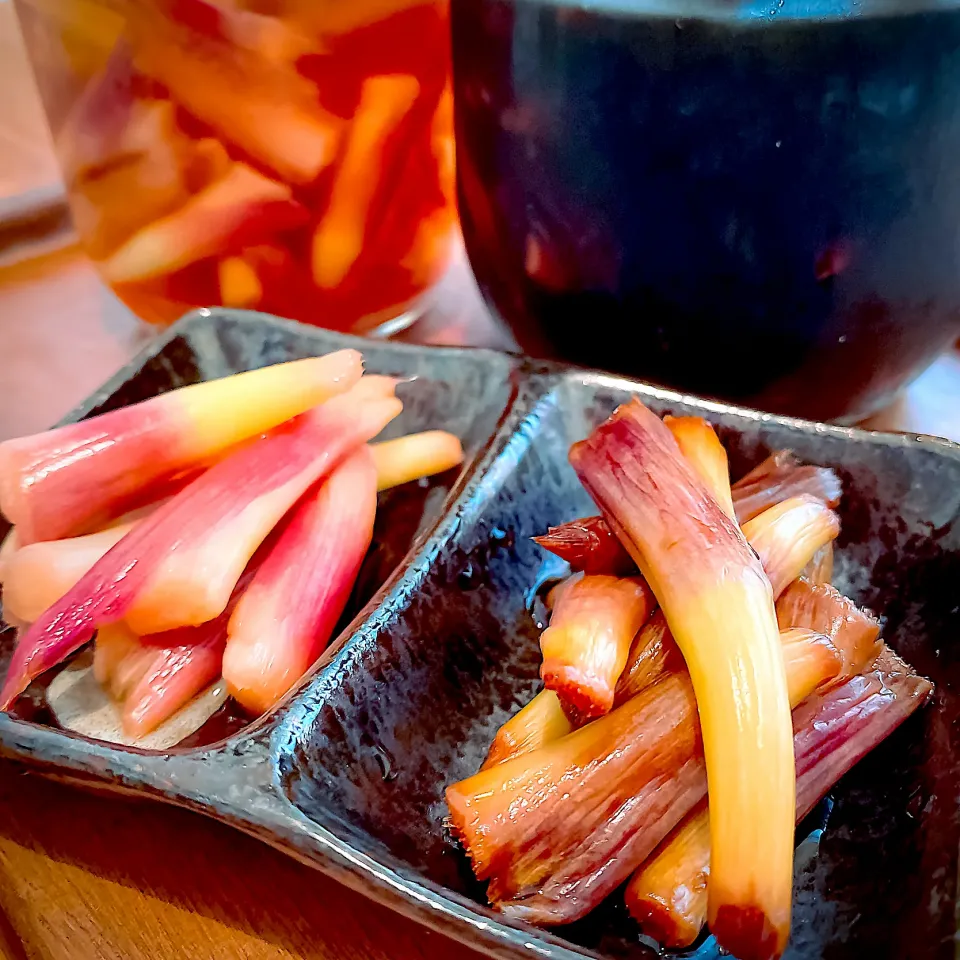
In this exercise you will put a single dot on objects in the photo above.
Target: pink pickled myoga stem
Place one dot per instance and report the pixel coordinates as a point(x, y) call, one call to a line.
point(69, 480)
point(215, 524)
point(287, 615)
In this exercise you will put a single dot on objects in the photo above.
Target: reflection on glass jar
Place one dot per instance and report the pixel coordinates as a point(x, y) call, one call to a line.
point(751, 201)
point(292, 156)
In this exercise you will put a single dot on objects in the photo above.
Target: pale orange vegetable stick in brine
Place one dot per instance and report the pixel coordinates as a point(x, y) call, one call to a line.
point(41, 573)
point(10, 545)
point(175, 676)
point(114, 644)
point(66, 481)
point(338, 240)
point(120, 660)
point(243, 204)
point(239, 284)
point(272, 114)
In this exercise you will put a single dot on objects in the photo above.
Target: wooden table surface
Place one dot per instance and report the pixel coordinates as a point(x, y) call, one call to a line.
point(84, 876)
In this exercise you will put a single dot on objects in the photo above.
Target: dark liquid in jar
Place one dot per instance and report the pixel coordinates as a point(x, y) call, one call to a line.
point(762, 207)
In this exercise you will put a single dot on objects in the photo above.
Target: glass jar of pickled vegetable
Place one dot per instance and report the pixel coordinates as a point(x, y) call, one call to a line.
point(293, 156)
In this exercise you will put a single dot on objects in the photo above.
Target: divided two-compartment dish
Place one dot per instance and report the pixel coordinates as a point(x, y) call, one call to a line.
point(350, 774)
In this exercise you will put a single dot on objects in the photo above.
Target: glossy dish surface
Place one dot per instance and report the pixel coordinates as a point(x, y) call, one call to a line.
point(440, 646)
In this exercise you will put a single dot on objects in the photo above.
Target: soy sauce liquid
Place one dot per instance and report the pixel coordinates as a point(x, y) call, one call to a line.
point(759, 204)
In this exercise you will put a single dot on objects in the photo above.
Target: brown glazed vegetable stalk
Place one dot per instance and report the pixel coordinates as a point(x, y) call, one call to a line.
point(788, 536)
point(719, 606)
point(780, 477)
point(557, 829)
point(820, 568)
point(586, 645)
point(699, 443)
point(541, 721)
point(668, 895)
point(785, 538)
point(654, 652)
point(823, 609)
point(589, 544)
point(832, 731)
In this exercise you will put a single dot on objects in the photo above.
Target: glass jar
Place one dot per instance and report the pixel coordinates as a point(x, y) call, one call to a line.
point(292, 156)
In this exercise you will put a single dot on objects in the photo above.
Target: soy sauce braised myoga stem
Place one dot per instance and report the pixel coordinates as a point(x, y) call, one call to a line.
point(589, 544)
point(788, 535)
point(820, 568)
point(719, 606)
point(832, 732)
point(654, 652)
point(785, 538)
point(701, 447)
point(557, 818)
point(668, 894)
point(779, 477)
point(541, 721)
point(586, 645)
point(822, 608)
point(557, 829)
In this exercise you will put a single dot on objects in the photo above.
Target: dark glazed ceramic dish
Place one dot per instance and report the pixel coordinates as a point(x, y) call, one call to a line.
point(348, 774)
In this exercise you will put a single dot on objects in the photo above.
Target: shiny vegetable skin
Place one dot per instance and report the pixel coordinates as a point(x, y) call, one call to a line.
point(69, 480)
point(589, 544)
point(415, 456)
point(788, 535)
point(385, 101)
point(832, 731)
point(780, 477)
point(785, 538)
point(39, 574)
point(719, 606)
point(176, 675)
point(288, 613)
point(213, 525)
point(701, 446)
point(586, 645)
point(820, 607)
point(557, 829)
